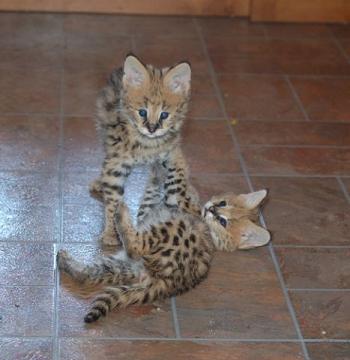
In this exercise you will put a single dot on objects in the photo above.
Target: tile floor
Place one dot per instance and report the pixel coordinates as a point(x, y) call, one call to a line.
point(271, 108)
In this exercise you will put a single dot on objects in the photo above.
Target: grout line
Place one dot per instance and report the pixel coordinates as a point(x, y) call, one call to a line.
point(343, 187)
point(296, 97)
point(170, 339)
point(6, 286)
point(311, 176)
point(56, 347)
point(209, 118)
point(53, 114)
point(175, 318)
point(92, 243)
point(281, 75)
point(246, 174)
point(340, 48)
point(328, 341)
point(92, 172)
point(297, 146)
point(281, 246)
point(219, 98)
point(319, 289)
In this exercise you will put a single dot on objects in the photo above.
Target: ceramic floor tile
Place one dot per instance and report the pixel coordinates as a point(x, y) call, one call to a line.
point(297, 160)
point(157, 350)
point(18, 349)
point(23, 190)
point(240, 299)
point(26, 264)
point(310, 267)
point(26, 311)
point(259, 98)
point(208, 153)
point(29, 142)
point(82, 223)
point(164, 52)
point(230, 27)
point(325, 99)
point(305, 211)
point(81, 87)
point(30, 30)
point(241, 55)
point(38, 224)
point(307, 56)
point(82, 147)
point(323, 315)
point(99, 54)
point(162, 27)
point(208, 185)
point(205, 107)
point(325, 351)
point(39, 90)
point(340, 30)
point(297, 30)
point(76, 187)
point(292, 133)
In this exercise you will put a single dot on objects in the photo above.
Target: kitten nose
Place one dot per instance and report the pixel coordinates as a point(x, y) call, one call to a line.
point(152, 128)
point(212, 209)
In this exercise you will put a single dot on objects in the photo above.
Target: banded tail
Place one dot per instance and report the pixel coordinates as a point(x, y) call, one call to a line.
point(122, 296)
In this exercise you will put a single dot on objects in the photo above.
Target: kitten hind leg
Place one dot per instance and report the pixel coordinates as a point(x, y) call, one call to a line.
point(108, 270)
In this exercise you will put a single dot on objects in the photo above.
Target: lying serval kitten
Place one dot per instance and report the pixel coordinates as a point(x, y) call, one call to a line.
point(170, 250)
point(139, 114)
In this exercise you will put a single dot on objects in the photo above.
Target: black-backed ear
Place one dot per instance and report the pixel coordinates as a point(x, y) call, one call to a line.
point(178, 78)
point(254, 199)
point(135, 73)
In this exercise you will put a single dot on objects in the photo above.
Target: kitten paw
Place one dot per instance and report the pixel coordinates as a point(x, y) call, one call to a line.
point(109, 239)
point(95, 189)
point(62, 259)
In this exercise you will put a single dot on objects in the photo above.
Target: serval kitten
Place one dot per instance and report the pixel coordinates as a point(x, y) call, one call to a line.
point(139, 114)
point(170, 250)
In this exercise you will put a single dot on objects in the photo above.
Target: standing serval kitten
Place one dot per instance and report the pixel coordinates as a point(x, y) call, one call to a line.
point(170, 250)
point(139, 114)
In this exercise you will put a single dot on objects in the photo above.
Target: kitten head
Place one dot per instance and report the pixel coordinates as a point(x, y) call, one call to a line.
point(155, 100)
point(231, 219)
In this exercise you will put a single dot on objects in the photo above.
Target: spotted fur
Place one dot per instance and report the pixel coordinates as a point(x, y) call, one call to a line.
point(130, 139)
point(170, 250)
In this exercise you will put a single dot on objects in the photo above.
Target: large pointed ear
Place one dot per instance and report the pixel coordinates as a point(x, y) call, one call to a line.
point(178, 78)
point(252, 200)
point(252, 236)
point(135, 73)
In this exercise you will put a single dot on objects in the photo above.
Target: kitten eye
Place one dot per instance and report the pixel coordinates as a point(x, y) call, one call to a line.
point(223, 221)
point(163, 115)
point(222, 203)
point(143, 113)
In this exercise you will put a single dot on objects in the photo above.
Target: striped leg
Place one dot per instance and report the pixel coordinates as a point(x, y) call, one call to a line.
point(132, 240)
point(115, 173)
point(153, 196)
point(178, 190)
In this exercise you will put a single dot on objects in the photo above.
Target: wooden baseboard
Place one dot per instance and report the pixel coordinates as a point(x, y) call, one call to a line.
point(301, 10)
point(156, 7)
